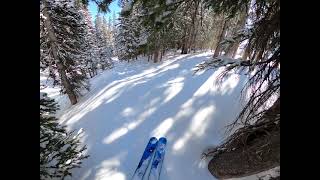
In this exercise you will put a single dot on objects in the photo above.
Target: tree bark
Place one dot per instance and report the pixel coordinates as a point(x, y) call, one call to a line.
point(54, 50)
point(246, 52)
point(184, 49)
point(194, 27)
point(156, 56)
point(162, 53)
point(232, 49)
point(222, 34)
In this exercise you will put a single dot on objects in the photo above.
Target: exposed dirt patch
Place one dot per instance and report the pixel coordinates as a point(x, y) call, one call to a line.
point(252, 149)
point(247, 161)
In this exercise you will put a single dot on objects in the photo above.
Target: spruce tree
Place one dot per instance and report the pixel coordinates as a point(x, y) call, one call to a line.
point(92, 51)
point(60, 151)
point(62, 44)
point(131, 34)
point(261, 59)
point(105, 52)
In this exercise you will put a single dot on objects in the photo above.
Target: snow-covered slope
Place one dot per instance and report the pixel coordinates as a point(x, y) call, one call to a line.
point(132, 102)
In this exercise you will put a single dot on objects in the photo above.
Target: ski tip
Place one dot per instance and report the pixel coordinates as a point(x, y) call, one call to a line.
point(153, 140)
point(163, 140)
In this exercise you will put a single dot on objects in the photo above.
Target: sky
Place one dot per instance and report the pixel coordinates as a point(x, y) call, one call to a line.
point(114, 7)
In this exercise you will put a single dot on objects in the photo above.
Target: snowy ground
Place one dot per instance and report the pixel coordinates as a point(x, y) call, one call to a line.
point(265, 175)
point(130, 103)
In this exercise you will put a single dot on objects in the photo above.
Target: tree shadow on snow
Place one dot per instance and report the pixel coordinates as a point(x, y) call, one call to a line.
point(165, 101)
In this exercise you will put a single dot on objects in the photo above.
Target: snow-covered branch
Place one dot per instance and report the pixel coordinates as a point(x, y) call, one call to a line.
point(221, 61)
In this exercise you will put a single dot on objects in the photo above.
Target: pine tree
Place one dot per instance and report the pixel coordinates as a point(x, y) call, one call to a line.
point(103, 5)
point(105, 52)
point(62, 43)
point(131, 34)
point(60, 151)
point(261, 60)
point(126, 39)
point(168, 24)
point(92, 51)
point(113, 20)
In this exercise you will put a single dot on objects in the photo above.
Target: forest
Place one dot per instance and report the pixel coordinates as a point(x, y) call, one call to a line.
point(202, 74)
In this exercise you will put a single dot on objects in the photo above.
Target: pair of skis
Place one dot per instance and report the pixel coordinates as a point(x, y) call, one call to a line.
point(153, 146)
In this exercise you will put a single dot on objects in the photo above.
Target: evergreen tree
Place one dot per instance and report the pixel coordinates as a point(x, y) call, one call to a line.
point(60, 151)
point(105, 51)
point(92, 51)
point(113, 20)
point(103, 5)
point(131, 35)
point(261, 59)
point(62, 44)
point(163, 25)
point(126, 39)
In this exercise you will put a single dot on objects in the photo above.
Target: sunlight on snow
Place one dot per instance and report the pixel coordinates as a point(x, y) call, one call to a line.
point(163, 128)
point(154, 101)
point(115, 135)
point(111, 92)
point(164, 69)
point(108, 170)
point(125, 129)
point(127, 112)
point(152, 71)
point(114, 176)
point(174, 88)
point(209, 85)
point(197, 126)
point(229, 84)
point(92, 103)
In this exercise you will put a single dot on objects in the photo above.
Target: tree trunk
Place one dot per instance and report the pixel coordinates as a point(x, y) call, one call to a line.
point(194, 27)
point(222, 34)
point(161, 55)
point(60, 66)
point(184, 49)
point(84, 72)
point(232, 49)
point(95, 71)
point(156, 56)
point(246, 52)
point(102, 66)
point(89, 72)
point(185, 38)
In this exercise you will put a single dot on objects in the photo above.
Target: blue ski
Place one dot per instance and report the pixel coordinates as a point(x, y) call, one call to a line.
point(145, 159)
point(158, 159)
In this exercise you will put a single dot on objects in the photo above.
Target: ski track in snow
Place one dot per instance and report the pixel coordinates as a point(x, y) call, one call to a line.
point(133, 102)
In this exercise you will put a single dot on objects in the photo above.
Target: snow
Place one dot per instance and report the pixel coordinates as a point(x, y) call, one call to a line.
point(221, 61)
point(127, 7)
point(166, 13)
point(133, 102)
point(265, 175)
point(168, 2)
point(160, 17)
point(54, 92)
